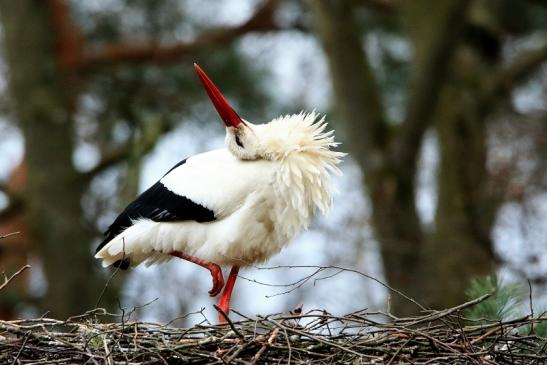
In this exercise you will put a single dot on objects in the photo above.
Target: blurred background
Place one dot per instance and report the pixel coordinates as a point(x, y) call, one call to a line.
point(442, 107)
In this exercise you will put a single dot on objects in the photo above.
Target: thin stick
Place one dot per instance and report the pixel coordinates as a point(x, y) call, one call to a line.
point(9, 234)
point(265, 345)
point(229, 321)
point(107, 284)
point(319, 269)
point(18, 272)
point(531, 305)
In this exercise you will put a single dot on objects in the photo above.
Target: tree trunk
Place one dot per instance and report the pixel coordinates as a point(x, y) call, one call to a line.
point(461, 246)
point(395, 219)
point(417, 265)
point(43, 97)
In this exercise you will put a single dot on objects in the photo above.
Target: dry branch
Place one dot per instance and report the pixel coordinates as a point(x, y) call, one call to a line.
point(146, 143)
point(522, 67)
point(428, 76)
point(7, 279)
point(9, 235)
point(73, 53)
point(261, 21)
point(315, 336)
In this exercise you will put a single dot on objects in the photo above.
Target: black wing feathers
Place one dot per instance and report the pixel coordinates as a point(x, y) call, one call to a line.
point(160, 205)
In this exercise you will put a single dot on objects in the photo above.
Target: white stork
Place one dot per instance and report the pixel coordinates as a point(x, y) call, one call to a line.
point(234, 206)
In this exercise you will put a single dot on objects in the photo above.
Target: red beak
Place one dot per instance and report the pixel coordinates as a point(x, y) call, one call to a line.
point(227, 114)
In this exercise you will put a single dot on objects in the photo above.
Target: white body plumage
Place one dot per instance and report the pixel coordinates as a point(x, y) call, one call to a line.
point(262, 189)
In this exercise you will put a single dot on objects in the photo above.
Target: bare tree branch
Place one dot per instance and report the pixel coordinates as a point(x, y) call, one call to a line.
point(8, 279)
point(9, 235)
point(523, 67)
point(353, 79)
point(433, 52)
point(146, 142)
point(109, 159)
point(390, 6)
point(262, 21)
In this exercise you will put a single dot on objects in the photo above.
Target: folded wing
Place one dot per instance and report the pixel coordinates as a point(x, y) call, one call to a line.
point(204, 188)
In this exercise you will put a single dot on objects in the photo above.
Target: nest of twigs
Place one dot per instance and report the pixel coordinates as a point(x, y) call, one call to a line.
point(437, 337)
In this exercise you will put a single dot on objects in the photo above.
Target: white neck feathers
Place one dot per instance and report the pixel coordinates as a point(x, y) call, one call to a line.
point(303, 181)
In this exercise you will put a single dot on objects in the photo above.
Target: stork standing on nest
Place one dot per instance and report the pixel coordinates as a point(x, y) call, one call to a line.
point(233, 206)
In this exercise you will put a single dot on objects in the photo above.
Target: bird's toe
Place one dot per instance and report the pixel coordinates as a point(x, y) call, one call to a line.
point(218, 281)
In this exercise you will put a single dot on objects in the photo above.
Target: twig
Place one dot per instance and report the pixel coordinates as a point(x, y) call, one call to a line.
point(399, 350)
point(111, 276)
point(265, 345)
point(9, 234)
point(20, 351)
point(531, 305)
point(18, 272)
point(108, 353)
point(297, 284)
point(440, 314)
point(230, 323)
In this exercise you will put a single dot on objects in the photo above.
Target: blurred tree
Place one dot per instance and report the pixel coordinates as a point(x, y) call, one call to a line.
point(457, 80)
point(97, 78)
point(43, 95)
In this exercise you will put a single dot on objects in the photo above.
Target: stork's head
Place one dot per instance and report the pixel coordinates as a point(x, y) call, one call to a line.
point(290, 135)
point(301, 146)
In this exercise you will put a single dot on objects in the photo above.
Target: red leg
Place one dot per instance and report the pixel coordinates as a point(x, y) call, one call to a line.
point(216, 272)
point(224, 300)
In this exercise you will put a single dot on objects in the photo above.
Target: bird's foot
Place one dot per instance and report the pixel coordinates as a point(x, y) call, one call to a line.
point(214, 269)
point(218, 280)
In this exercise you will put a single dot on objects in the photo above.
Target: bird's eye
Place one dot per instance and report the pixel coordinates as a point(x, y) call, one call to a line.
point(238, 141)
